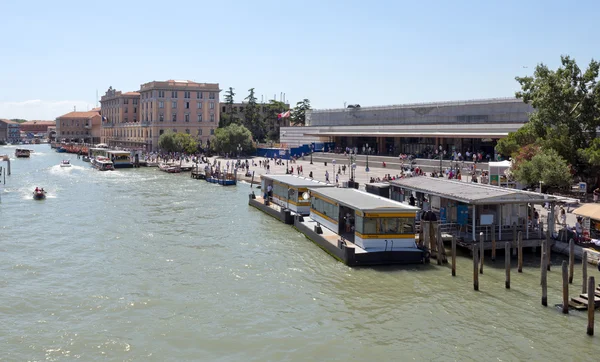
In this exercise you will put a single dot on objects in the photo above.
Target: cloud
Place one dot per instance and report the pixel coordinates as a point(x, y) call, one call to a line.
point(41, 109)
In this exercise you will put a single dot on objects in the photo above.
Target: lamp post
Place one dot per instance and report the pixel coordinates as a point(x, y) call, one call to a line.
point(287, 168)
point(440, 148)
point(312, 149)
point(367, 151)
point(239, 149)
point(333, 174)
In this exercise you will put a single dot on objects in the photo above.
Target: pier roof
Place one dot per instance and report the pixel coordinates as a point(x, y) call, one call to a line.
point(472, 193)
point(296, 181)
point(361, 200)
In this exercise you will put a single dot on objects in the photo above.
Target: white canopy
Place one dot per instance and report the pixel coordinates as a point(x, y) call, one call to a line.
point(501, 164)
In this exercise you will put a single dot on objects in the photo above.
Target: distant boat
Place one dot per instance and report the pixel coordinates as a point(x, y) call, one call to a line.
point(65, 163)
point(23, 153)
point(39, 194)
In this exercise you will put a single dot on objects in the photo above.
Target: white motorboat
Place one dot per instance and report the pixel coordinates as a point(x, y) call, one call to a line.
point(65, 163)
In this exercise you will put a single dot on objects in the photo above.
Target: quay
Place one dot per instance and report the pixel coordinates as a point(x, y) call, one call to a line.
point(353, 226)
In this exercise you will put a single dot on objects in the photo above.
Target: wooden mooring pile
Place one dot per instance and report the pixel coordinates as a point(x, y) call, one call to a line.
point(581, 302)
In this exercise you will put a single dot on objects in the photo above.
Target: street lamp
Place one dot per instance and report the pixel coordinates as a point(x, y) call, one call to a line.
point(367, 150)
point(312, 149)
point(239, 149)
point(440, 148)
point(287, 168)
point(333, 174)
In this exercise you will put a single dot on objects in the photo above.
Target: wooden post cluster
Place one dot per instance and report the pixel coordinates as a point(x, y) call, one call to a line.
point(520, 252)
point(475, 268)
point(507, 264)
point(591, 306)
point(440, 245)
point(571, 260)
point(548, 247)
point(565, 280)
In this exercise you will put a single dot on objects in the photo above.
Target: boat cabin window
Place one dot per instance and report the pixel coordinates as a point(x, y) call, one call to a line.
point(383, 226)
point(326, 208)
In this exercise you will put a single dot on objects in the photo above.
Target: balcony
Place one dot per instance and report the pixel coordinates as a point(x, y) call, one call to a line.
point(145, 123)
point(108, 125)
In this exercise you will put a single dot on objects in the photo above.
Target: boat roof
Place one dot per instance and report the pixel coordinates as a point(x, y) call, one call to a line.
point(378, 184)
point(296, 181)
point(364, 201)
point(472, 193)
point(120, 152)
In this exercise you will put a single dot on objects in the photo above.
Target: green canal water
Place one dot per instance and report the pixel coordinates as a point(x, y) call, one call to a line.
point(139, 265)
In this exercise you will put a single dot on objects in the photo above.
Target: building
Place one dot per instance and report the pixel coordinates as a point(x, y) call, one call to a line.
point(274, 123)
point(121, 124)
point(179, 106)
point(418, 129)
point(83, 127)
point(4, 131)
point(37, 129)
point(9, 131)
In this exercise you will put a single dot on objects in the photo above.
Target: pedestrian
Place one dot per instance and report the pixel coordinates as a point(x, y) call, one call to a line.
point(327, 176)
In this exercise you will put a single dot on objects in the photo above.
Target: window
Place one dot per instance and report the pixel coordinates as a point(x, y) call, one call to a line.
point(199, 118)
point(186, 94)
point(223, 110)
point(212, 117)
point(174, 104)
point(126, 110)
point(211, 95)
point(161, 132)
point(134, 109)
point(174, 117)
point(161, 104)
point(212, 131)
point(174, 130)
point(187, 131)
point(199, 131)
point(125, 101)
point(161, 117)
point(161, 94)
point(126, 119)
point(199, 105)
point(135, 101)
point(187, 117)
point(187, 105)
point(199, 95)
point(212, 105)
point(390, 225)
point(173, 94)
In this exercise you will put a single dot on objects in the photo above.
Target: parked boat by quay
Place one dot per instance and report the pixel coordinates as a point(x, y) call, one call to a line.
point(165, 167)
point(353, 226)
point(22, 153)
point(120, 159)
point(222, 178)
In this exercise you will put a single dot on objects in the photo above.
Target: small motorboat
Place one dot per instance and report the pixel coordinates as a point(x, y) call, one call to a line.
point(65, 163)
point(39, 194)
point(85, 158)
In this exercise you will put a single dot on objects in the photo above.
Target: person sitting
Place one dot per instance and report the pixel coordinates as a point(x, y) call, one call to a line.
point(37, 189)
point(42, 190)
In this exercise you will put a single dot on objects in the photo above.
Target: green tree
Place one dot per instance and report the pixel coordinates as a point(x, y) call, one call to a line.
point(177, 142)
point(252, 119)
point(229, 117)
point(566, 116)
point(19, 120)
point(546, 166)
point(299, 112)
point(227, 139)
point(274, 108)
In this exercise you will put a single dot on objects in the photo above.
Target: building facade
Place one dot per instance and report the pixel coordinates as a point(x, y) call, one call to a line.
point(4, 131)
point(37, 129)
point(418, 129)
point(121, 126)
point(14, 131)
point(179, 106)
point(83, 127)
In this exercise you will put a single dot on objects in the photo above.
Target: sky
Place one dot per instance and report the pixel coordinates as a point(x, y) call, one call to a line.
point(56, 55)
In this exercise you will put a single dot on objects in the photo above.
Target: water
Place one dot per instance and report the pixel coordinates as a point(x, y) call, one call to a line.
point(140, 265)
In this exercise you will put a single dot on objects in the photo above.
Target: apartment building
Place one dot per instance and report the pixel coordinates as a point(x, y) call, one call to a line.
point(76, 126)
point(179, 106)
point(121, 126)
point(39, 129)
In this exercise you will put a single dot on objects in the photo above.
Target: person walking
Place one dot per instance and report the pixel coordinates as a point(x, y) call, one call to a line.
point(326, 176)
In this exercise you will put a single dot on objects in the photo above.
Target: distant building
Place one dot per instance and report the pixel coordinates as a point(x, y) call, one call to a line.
point(137, 119)
point(121, 125)
point(81, 127)
point(37, 129)
point(9, 131)
point(273, 124)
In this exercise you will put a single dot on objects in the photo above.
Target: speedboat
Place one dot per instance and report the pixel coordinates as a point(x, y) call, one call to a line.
point(85, 158)
point(65, 163)
point(39, 194)
point(21, 152)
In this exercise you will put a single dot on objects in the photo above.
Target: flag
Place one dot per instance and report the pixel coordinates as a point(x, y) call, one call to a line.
point(284, 115)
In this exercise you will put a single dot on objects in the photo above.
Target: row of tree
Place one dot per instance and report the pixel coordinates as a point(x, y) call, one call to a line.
point(560, 140)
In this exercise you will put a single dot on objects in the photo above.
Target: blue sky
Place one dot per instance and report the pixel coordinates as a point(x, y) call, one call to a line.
point(54, 55)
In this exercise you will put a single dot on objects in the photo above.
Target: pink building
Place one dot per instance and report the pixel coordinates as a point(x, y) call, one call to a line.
point(121, 124)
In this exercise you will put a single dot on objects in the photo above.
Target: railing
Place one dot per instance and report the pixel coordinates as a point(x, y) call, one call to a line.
point(424, 104)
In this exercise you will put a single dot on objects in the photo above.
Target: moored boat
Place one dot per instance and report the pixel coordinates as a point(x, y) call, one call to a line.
point(22, 152)
point(102, 163)
point(65, 163)
point(169, 168)
point(85, 158)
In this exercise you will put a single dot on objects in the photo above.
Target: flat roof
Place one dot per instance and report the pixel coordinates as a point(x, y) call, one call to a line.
point(120, 152)
point(471, 193)
point(361, 200)
point(588, 210)
point(296, 181)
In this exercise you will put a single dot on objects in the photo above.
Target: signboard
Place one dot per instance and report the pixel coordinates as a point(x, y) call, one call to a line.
point(282, 152)
point(462, 212)
point(486, 219)
point(583, 187)
point(494, 180)
point(443, 215)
